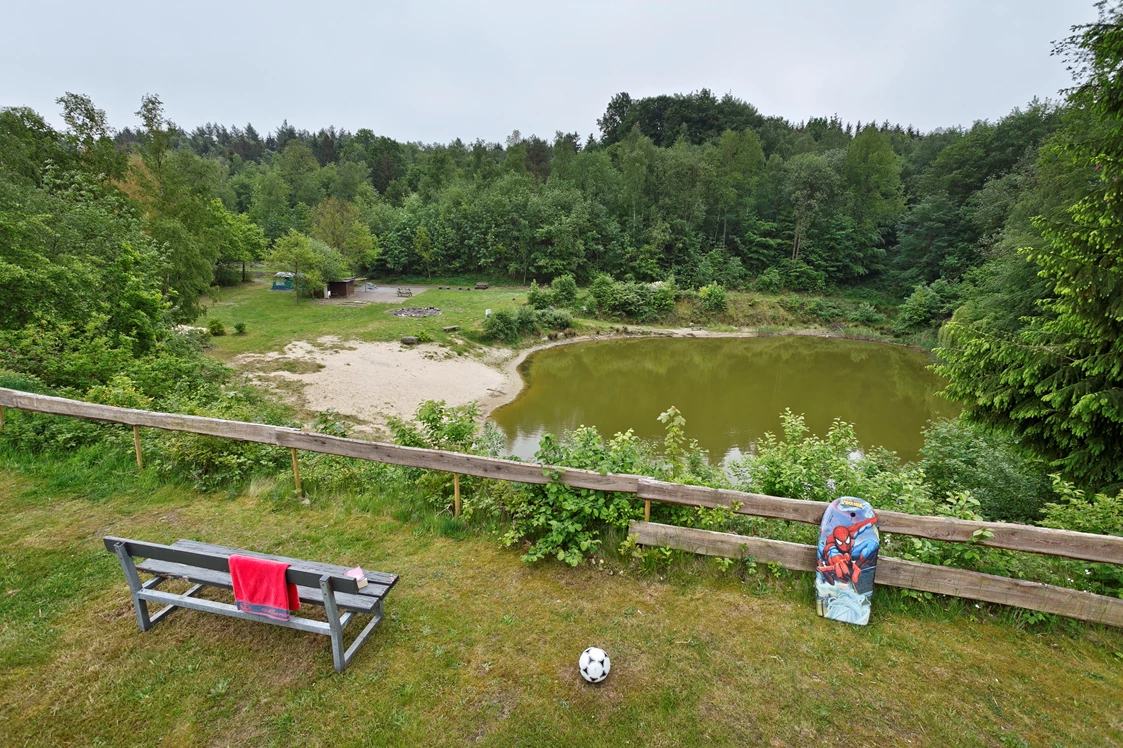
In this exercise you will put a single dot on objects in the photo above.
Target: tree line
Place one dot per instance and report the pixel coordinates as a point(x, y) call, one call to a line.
point(113, 236)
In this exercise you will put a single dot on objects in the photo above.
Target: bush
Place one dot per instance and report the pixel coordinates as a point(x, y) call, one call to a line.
point(526, 320)
point(799, 276)
point(436, 425)
point(555, 319)
point(866, 314)
point(959, 456)
point(919, 309)
point(638, 301)
point(601, 290)
point(501, 325)
point(216, 328)
point(564, 290)
point(826, 310)
point(239, 328)
point(539, 298)
point(769, 281)
point(713, 298)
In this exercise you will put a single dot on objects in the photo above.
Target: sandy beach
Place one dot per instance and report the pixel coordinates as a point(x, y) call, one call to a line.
point(371, 381)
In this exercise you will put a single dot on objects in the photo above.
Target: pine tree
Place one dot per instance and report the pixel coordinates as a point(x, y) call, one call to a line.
point(1058, 384)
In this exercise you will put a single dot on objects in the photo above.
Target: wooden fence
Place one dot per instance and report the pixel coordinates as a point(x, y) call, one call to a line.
point(894, 572)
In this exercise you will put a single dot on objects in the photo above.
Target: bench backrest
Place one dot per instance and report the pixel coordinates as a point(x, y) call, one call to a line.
point(220, 562)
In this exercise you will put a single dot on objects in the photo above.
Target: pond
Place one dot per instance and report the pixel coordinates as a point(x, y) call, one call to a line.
point(731, 390)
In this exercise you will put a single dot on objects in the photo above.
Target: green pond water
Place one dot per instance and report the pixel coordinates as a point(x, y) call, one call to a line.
point(731, 390)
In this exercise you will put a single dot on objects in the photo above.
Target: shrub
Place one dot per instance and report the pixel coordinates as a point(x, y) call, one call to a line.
point(769, 281)
point(526, 320)
point(601, 290)
point(564, 290)
point(436, 425)
point(959, 456)
point(216, 328)
point(239, 328)
point(866, 314)
point(663, 297)
point(555, 319)
point(501, 325)
point(919, 309)
point(424, 337)
point(826, 310)
point(539, 298)
point(713, 298)
point(797, 275)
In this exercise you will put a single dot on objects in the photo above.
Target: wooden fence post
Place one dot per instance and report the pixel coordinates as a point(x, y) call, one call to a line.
point(136, 443)
point(1, 417)
point(295, 469)
point(647, 510)
point(456, 494)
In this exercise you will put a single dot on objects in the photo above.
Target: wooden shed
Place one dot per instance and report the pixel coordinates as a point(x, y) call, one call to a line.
point(341, 289)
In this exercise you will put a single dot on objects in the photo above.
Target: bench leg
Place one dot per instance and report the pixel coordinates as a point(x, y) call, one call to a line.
point(337, 652)
point(376, 618)
point(163, 612)
point(135, 586)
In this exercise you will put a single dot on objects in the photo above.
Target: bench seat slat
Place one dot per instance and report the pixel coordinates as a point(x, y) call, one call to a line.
point(373, 577)
point(313, 595)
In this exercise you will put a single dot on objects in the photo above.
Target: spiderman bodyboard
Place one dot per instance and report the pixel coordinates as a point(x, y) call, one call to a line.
point(847, 561)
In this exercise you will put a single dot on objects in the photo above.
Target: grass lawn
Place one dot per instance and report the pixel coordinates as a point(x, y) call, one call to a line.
point(478, 646)
point(273, 319)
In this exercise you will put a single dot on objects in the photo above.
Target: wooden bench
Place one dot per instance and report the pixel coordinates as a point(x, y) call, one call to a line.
point(405, 292)
point(206, 565)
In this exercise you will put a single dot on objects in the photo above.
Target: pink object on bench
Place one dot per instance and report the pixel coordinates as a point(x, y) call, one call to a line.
point(260, 587)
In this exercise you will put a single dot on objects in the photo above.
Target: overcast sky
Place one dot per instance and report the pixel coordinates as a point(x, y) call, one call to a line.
point(434, 71)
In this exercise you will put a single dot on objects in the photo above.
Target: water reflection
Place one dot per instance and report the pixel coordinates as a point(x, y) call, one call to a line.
point(731, 390)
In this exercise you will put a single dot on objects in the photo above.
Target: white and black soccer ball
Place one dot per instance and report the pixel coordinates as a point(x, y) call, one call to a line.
point(594, 664)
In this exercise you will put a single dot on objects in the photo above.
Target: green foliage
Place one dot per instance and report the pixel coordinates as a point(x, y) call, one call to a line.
point(558, 521)
point(539, 298)
point(1101, 515)
point(564, 290)
point(1056, 382)
point(713, 299)
point(919, 309)
point(960, 457)
point(437, 425)
point(630, 300)
point(216, 328)
point(239, 328)
point(555, 319)
point(801, 465)
point(502, 325)
point(866, 314)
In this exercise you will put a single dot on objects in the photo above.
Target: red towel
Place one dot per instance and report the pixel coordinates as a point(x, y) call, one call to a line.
point(260, 587)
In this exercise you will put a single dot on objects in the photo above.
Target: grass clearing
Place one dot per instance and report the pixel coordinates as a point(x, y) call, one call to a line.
point(273, 319)
point(478, 646)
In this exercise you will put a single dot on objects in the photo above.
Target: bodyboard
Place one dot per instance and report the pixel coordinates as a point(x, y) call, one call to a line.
point(846, 561)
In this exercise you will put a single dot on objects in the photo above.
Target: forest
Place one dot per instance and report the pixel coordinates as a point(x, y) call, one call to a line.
point(1004, 234)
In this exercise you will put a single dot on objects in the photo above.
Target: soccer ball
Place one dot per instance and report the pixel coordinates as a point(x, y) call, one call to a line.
point(594, 665)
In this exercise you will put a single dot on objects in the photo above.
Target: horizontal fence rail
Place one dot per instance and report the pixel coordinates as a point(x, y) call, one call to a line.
point(924, 577)
point(894, 572)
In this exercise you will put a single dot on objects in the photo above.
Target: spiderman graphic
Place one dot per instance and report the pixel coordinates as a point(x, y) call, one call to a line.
point(841, 559)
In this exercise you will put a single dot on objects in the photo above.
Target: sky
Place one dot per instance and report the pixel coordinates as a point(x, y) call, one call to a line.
point(434, 71)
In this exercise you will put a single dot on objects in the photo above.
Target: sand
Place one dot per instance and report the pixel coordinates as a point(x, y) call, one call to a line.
point(370, 381)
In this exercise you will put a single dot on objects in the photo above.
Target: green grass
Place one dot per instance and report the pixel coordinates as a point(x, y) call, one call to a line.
point(273, 319)
point(479, 647)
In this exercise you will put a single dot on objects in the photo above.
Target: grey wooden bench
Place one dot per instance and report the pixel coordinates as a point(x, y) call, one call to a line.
point(206, 565)
point(405, 292)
